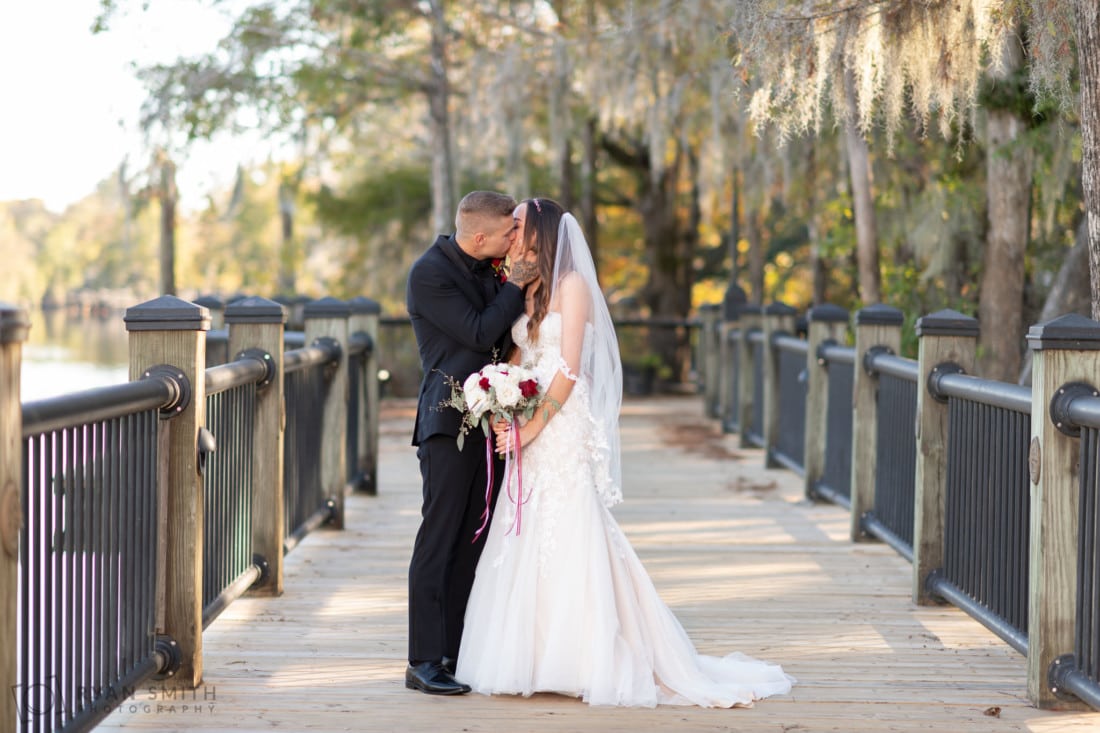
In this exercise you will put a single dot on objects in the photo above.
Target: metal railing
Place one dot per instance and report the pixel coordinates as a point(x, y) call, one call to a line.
point(891, 520)
point(89, 551)
point(753, 433)
point(968, 528)
point(987, 509)
point(305, 385)
point(835, 484)
point(732, 413)
point(790, 441)
point(229, 565)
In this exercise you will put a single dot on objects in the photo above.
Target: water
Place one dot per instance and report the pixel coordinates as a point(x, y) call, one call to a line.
point(64, 353)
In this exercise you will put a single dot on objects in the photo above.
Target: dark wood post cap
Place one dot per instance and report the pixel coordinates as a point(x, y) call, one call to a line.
point(255, 310)
point(167, 313)
point(827, 313)
point(327, 307)
point(879, 314)
point(1071, 332)
point(947, 322)
point(14, 324)
point(361, 305)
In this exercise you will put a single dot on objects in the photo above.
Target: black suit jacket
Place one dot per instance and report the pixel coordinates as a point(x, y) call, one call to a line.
point(456, 330)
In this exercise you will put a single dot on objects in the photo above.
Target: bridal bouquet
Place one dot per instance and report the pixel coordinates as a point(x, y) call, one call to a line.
point(498, 391)
point(504, 391)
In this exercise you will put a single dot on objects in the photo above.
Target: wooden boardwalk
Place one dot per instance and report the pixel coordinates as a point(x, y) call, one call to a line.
point(741, 559)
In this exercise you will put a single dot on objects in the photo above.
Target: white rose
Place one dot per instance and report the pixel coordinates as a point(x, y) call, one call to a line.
point(477, 399)
point(477, 404)
point(498, 375)
point(508, 394)
point(471, 383)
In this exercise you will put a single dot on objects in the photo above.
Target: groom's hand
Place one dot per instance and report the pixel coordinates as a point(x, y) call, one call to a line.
point(524, 271)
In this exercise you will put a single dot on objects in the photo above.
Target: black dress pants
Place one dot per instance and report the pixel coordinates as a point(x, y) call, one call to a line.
point(445, 553)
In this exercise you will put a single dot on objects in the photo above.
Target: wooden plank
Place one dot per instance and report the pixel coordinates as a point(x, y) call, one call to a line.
point(763, 573)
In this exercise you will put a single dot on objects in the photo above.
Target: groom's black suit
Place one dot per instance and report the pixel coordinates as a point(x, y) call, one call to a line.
point(460, 314)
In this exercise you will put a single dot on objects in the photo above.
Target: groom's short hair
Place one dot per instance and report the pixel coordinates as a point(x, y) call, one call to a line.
point(477, 207)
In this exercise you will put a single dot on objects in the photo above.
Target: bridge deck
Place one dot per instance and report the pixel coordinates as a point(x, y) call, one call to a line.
point(744, 563)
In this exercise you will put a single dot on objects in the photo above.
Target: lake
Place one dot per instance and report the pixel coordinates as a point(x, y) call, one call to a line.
point(64, 353)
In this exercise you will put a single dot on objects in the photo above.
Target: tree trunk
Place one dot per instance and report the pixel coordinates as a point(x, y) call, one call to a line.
point(735, 220)
point(669, 252)
point(1070, 291)
point(863, 203)
point(565, 175)
point(754, 232)
point(288, 257)
point(818, 270)
point(588, 189)
point(443, 203)
point(168, 198)
point(1008, 190)
point(1086, 14)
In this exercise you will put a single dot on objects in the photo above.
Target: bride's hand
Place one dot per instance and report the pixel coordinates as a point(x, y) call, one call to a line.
point(500, 425)
point(504, 442)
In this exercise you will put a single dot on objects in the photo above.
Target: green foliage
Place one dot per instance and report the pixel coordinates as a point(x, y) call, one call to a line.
point(1015, 94)
point(376, 201)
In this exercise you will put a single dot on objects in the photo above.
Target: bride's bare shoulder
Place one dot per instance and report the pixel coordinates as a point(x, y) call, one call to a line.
point(572, 284)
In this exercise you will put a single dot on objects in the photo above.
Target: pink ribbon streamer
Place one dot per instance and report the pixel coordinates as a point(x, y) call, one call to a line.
point(517, 521)
point(488, 487)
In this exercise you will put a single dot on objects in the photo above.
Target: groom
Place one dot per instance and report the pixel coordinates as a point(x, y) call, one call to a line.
point(461, 314)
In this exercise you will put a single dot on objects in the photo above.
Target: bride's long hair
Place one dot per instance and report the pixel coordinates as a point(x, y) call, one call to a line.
point(540, 233)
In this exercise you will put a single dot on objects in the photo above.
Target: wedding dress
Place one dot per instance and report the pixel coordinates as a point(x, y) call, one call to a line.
point(560, 602)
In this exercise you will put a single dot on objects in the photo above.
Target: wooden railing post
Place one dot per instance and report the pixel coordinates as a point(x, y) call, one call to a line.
point(726, 368)
point(708, 340)
point(216, 306)
point(171, 332)
point(1066, 350)
point(778, 318)
point(217, 350)
point(948, 342)
point(827, 324)
point(751, 319)
point(256, 329)
point(365, 315)
point(877, 327)
point(328, 318)
point(13, 332)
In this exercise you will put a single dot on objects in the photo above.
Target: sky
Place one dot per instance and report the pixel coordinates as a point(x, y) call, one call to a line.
point(69, 100)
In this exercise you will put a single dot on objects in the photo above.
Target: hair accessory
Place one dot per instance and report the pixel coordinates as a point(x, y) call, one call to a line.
point(538, 208)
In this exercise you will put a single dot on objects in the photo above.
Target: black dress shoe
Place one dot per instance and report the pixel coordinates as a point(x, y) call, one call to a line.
point(450, 664)
point(430, 677)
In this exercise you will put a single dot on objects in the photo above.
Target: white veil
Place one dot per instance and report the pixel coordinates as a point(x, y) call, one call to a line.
point(600, 365)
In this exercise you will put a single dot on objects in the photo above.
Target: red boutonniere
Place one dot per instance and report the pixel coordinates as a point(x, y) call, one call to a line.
point(500, 269)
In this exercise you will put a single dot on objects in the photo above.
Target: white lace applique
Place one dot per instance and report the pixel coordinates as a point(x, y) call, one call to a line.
point(568, 373)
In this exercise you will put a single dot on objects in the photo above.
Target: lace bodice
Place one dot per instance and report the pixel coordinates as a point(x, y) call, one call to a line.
point(544, 355)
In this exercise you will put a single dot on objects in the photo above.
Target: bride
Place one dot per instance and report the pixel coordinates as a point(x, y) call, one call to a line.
point(560, 602)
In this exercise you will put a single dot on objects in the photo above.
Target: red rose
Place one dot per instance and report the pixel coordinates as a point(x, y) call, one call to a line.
point(529, 388)
point(483, 383)
point(498, 268)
